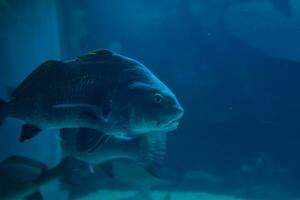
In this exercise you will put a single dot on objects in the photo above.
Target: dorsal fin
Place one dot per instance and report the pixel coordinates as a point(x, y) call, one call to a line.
point(29, 80)
point(103, 52)
point(17, 160)
point(96, 54)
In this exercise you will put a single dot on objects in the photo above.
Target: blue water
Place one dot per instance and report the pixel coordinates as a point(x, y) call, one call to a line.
point(234, 73)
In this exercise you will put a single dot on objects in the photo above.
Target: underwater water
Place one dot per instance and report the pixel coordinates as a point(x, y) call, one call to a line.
point(234, 66)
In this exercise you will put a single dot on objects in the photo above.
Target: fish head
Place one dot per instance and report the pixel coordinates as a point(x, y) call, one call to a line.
point(152, 107)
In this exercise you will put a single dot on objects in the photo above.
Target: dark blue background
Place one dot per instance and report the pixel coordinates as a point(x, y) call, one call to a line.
point(239, 102)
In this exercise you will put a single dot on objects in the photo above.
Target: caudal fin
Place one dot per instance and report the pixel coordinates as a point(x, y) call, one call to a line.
point(61, 168)
point(56, 172)
point(2, 111)
point(284, 6)
point(153, 151)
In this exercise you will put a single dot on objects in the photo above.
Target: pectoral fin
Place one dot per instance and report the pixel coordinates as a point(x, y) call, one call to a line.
point(101, 142)
point(29, 131)
point(37, 195)
point(87, 140)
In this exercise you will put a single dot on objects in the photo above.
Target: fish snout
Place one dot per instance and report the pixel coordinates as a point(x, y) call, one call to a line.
point(172, 121)
point(176, 108)
point(179, 111)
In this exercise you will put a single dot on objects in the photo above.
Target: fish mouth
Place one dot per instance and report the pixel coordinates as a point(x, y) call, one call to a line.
point(173, 123)
point(169, 126)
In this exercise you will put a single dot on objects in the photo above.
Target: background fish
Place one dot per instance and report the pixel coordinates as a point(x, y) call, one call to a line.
point(100, 90)
point(148, 150)
point(21, 177)
point(82, 183)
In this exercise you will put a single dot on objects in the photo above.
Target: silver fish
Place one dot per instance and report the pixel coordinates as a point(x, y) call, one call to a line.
point(101, 90)
point(98, 149)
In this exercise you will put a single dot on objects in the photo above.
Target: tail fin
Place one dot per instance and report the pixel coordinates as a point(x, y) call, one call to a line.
point(2, 111)
point(153, 151)
point(61, 168)
point(284, 6)
point(56, 172)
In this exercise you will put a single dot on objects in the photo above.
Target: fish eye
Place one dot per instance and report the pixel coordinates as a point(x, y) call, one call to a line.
point(158, 98)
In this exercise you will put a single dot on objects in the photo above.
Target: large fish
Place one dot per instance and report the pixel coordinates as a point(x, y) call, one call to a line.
point(147, 150)
point(21, 177)
point(101, 90)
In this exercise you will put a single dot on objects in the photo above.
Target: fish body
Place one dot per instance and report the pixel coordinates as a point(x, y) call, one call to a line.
point(21, 177)
point(127, 175)
point(147, 150)
point(114, 148)
point(136, 162)
point(101, 90)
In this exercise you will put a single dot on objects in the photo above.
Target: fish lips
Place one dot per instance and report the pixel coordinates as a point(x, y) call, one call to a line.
point(173, 122)
point(172, 125)
point(169, 125)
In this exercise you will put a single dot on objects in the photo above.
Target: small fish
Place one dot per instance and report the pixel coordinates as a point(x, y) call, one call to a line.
point(21, 177)
point(101, 90)
point(98, 149)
